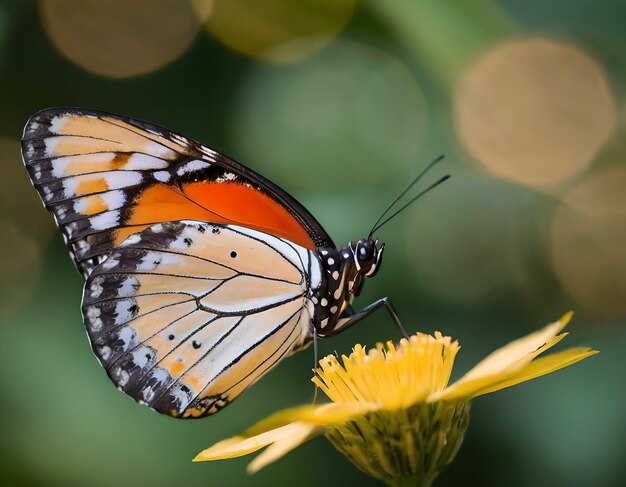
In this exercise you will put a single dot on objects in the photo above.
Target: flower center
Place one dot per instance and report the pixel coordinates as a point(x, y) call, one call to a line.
point(392, 376)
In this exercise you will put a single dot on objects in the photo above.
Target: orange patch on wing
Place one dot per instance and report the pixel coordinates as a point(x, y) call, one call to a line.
point(176, 368)
point(120, 160)
point(92, 186)
point(222, 203)
point(88, 163)
point(244, 205)
point(95, 204)
point(71, 145)
point(161, 203)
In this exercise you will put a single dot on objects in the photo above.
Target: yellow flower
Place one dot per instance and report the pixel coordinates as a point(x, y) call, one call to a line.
point(393, 413)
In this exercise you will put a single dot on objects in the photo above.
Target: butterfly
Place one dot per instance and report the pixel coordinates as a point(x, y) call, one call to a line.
point(200, 274)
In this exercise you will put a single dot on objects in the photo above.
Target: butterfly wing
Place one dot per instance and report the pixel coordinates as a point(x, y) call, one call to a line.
point(184, 316)
point(105, 176)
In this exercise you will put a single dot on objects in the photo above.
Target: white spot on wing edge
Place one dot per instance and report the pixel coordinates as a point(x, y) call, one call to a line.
point(57, 124)
point(105, 352)
point(122, 179)
point(106, 220)
point(187, 235)
point(51, 144)
point(144, 161)
point(192, 166)
point(227, 176)
point(59, 165)
point(93, 318)
point(122, 315)
point(140, 356)
point(128, 287)
point(113, 199)
point(160, 150)
point(209, 152)
point(163, 176)
point(180, 139)
point(154, 259)
point(122, 376)
point(95, 292)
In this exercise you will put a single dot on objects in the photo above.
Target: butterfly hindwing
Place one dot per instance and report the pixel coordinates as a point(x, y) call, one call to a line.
point(105, 177)
point(184, 316)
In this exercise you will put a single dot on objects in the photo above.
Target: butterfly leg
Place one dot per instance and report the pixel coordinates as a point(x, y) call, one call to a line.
point(353, 319)
point(315, 365)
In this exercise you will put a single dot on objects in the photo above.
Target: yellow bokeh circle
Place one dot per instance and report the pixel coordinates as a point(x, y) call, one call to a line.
point(278, 30)
point(588, 242)
point(122, 38)
point(534, 111)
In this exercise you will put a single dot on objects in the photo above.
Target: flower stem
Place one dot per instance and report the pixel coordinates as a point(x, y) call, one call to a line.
point(412, 481)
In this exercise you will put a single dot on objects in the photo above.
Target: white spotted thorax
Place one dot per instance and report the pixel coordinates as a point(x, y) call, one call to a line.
point(343, 273)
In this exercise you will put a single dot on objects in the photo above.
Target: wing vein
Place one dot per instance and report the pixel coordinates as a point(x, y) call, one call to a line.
point(245, 352)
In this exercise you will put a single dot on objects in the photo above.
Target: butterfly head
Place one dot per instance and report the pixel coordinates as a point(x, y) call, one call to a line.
point(368, 256)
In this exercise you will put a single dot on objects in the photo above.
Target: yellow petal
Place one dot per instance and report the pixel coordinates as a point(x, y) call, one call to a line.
point(324, 415)
point(276, 420)
point(238, 446)
point(298, 434)
point(281, 426)
point(518, 352)
point(486, 384)
point(542, 366)
point(336, 413)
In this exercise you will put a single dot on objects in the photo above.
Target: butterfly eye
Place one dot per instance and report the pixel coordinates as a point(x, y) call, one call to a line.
point(365, 251)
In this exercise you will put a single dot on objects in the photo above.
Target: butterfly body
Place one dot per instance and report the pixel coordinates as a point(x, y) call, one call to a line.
point(201, 275)
point(344, 270)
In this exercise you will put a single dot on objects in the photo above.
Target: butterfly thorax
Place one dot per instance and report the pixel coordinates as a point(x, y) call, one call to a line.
point(343, 274)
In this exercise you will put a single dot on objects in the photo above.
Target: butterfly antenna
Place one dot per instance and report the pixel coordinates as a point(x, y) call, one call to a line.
point(411, 184)
point(411, 201)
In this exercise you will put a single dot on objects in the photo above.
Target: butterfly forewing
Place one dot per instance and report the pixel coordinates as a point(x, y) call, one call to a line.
point(105, 177)
point(184, 316)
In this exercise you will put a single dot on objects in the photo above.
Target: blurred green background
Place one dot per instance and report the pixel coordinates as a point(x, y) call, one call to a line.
point(341, 102)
